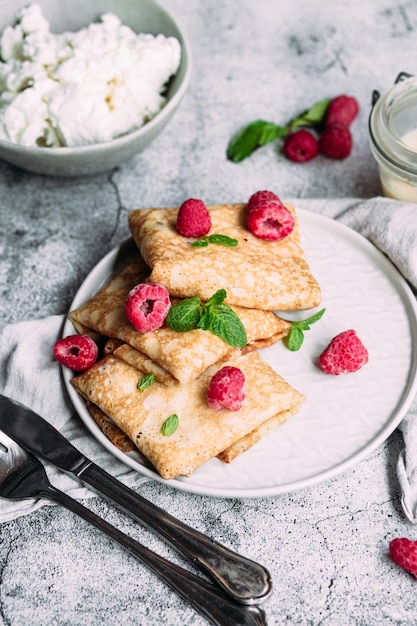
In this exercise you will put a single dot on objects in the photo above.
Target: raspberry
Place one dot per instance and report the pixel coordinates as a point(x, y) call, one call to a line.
point(259, 197)
point(301, 146)
point(77, 352)
point(341, 110)
point(336, 141)
point(226, 389)
point(404, 552)
point(270, 219)
point(345, 353)
point(147, 306)
point(193, 218)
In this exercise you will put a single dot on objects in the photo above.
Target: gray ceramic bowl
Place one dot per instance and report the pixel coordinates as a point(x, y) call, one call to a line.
point(71, 15)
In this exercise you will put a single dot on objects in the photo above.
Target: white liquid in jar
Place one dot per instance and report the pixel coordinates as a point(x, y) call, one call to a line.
point(410, 140)
point(397, 188)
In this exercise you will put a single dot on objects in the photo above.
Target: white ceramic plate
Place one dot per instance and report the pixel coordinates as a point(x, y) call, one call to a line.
point(344, 417)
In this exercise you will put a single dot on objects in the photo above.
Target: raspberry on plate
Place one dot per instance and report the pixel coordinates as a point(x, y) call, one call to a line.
point(260, 197)
point(193, 218)
point(147, 306)
point(77, 352)
point(344, 354)
point(404, 552)
point(270, 220)
point(301, 146)
point(336, 141)
point(342, 110)
point(226, 389)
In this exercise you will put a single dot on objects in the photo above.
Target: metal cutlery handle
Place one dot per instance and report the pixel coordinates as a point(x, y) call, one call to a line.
point(215, 606)
point(244, 580)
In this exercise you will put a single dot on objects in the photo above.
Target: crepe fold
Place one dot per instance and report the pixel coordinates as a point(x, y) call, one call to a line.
point(257, 274)
point(202, 433)
point(183, 355)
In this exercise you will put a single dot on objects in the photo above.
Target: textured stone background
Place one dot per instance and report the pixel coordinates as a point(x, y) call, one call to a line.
point(326, 546)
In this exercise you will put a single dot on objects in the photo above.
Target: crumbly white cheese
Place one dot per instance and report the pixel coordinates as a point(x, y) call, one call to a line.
point(79, 88)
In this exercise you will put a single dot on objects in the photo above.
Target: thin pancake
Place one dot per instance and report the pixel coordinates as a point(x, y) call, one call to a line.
point(109, 428)
point(258, 274)
point(202, 433)
point(142, 362)
point(184, 355)
point(256, 435)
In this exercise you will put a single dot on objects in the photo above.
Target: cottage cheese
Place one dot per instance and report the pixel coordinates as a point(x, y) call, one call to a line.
point(74, 89)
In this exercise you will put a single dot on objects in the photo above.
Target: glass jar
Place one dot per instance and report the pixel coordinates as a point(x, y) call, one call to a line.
point(393, 136)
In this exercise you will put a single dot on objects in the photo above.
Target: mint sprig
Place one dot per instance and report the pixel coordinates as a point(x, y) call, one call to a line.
point(253, 136)
point(213, 315)
point(222, 240)
point(170, 425)
point(145, 382)
point(185, 315)
point(259, 133)
point(295, 338)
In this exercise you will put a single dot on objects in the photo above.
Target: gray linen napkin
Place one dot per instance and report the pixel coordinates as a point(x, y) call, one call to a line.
point(29, 373)
point(392, 227)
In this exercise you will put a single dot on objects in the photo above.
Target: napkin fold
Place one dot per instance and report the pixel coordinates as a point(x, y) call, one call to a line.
point(30, 374)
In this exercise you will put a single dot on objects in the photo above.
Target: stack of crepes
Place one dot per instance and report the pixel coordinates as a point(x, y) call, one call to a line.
point(259, 277)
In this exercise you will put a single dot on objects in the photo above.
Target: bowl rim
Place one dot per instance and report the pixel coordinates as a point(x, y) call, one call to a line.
point(145, 129)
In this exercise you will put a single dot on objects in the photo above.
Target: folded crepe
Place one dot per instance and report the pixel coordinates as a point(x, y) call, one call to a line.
point(202, 433)
point(184, 355)
point(109, 428)
point(139, 360)
point(249, 440)
point(142, 362)
point(258, 274)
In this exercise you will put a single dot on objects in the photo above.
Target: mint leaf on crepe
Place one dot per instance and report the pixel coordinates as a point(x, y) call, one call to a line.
point(221, 320)
point(222, 240)
point(217, 298)
point(146, 381)
point(253, 136)
point(185, 315)
point(225, 323)
point(170, 425)
point(295, 339)
point(213, 315)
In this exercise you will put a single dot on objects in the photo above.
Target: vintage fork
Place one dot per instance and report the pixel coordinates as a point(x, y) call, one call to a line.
point(23, 476)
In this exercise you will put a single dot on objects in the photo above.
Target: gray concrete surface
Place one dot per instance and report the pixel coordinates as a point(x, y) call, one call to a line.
point(326, 546)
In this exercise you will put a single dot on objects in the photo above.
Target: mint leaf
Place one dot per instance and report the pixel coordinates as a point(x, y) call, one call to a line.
point(312, 117)
point(213, 315)
point(206, 316)
point(222, 240)
point(170, 425)
point(205, 320)
point(295, 339)
point(305, 324)
point(256, 134)
point(145, 382)
point(222, 321)
point(217, 298)
point(184, 315)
